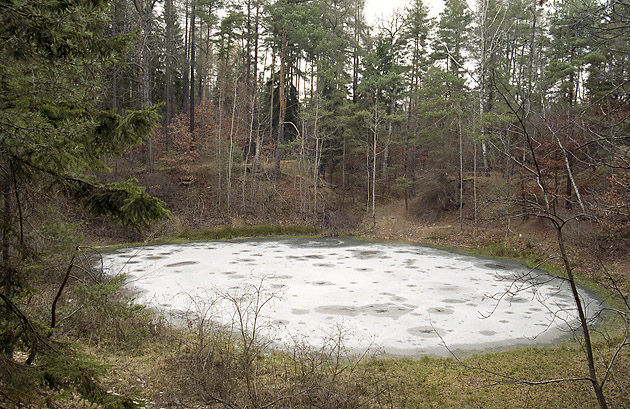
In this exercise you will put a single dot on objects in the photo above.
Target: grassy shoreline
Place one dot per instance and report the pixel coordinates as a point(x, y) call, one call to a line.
point(477, 379)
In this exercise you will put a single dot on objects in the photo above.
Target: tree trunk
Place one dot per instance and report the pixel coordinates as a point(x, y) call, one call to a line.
point(168, 16)
point(273, 84)
point(461, 172)
point(231, 150)
point(192, 69)
point(386, 143)
point(374, 152)
point(186, 65)
point(317, 154)
point(597, 387)
point(282, 100)
point(343, 169)
point(144, 8)
point(219, 147)
point(6, 219)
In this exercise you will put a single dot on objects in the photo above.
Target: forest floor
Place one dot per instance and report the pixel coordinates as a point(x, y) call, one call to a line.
point(394, 222)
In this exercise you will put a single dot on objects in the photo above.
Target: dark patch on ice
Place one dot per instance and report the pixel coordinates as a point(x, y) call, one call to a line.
point(322, 283)
point(346, 310)
point(386, 310)
point(440, 310)
point(423, 331)
point(280, 322)
point(454, 301)
point(517, 300)
point(487, 333)
point(495, 266)
point(397, 298)
point(368, 254)
point(182, 263)
point(314, 256)
point(282, 277)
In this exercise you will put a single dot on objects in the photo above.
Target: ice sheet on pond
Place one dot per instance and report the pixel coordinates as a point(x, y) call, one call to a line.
point(402, 298)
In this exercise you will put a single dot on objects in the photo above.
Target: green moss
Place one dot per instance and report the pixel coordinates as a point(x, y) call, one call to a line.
point(223, 233)
point(231, 232)
point(491, 380)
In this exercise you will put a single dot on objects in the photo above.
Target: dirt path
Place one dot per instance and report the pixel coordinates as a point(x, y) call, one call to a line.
point(393, 222)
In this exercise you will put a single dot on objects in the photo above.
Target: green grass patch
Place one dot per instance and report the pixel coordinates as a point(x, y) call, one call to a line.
point(232, 232)
point(525, 256)
point(493, 380)
point(223, 233)
point(551, 265)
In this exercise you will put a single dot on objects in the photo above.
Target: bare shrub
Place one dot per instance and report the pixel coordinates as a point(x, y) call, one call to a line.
point(235, 366)
point(330, 376)
point(436, 195)
point(97, 307)
point(335, 222)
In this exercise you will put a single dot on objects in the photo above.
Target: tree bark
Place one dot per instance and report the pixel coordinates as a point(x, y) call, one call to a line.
point(282, 100)
point(168, 16)
point(597, 387)
point(192, 69)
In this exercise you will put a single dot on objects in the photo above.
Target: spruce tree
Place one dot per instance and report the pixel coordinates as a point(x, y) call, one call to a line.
point(54, 134)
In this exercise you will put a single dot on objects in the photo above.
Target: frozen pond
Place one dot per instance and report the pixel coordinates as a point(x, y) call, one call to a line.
point(402, 298)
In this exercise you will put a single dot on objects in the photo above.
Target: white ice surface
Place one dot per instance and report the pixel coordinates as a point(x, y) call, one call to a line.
point(401, 298)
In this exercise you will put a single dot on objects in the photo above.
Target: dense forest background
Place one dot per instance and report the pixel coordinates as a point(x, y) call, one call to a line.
point(505, 123)
point(494, 87)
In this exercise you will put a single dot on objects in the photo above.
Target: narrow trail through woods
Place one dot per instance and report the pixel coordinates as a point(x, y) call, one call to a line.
point(394, 222)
